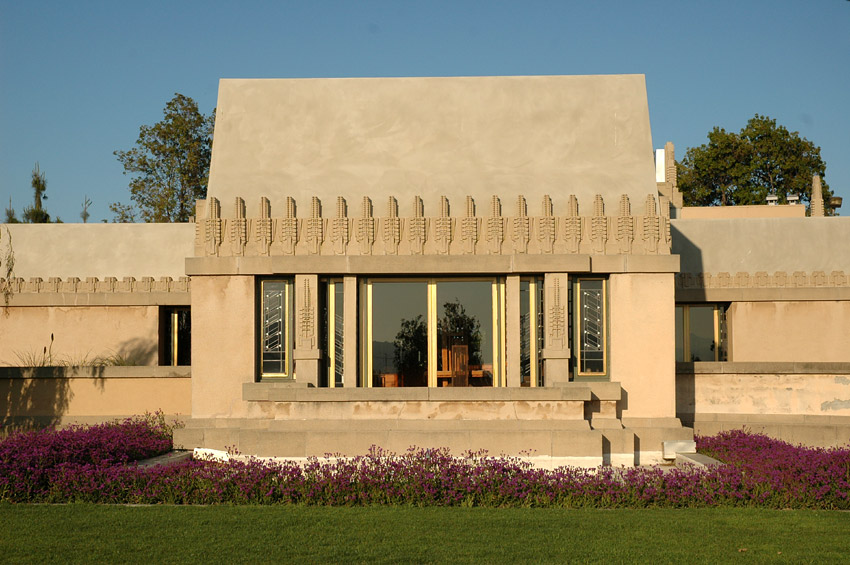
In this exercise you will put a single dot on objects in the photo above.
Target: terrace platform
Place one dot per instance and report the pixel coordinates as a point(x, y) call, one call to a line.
point(576, 420)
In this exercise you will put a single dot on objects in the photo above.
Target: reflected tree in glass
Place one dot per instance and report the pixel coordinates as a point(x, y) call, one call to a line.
point(458, 327)
point(411, 347)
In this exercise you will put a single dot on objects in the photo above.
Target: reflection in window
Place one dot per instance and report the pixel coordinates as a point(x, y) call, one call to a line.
point(701, 332)
point(399, 334)
point(275, 328)
point(591, 327)
point(465, 333)
point(432, 333)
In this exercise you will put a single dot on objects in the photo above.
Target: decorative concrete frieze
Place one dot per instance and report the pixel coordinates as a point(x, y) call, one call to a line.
point(762, 279)
point(238, 230)
point(435, 233)
point(471, 227)
point(366, 227)
point(495, 227)
point(315, 227)
point(341, 229)
point(521, 227)
point(392, 228)
point(93, 285)
point(443, 228)
point(262, 228)
point(417, 228)
point(546, 227)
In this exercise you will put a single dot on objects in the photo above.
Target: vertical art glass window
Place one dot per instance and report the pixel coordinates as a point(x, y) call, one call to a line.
point(275, 330)
point(591, 326)
point(336, 300)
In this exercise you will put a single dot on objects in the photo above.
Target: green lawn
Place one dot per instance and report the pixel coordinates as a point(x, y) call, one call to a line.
point(224, 534)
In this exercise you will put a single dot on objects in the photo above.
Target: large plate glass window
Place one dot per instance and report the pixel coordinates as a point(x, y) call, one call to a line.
point(432, 333)
point(591, 340)
point(701, 332)
point(276, 328)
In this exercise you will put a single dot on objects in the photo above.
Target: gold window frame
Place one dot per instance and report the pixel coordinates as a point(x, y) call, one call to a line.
point(287, 321)
point(497, 304)
point(577, 327)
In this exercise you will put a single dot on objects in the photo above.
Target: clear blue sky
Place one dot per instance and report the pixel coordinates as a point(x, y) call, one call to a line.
point(77, 79)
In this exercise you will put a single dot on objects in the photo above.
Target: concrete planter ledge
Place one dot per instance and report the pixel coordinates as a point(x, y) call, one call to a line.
point(800, 367)
point(109, 372)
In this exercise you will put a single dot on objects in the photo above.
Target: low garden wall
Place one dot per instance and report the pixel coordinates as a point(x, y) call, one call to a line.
point(38, 396)
point(805, 403)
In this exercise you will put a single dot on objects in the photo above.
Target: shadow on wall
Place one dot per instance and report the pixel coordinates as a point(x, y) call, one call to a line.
point(33, 397)
point(138, 351)
point(690, 254)
point(39, 396)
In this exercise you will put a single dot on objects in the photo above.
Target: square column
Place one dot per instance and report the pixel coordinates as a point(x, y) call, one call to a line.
point(512, 331)
point(556, 343)
point(307, 353)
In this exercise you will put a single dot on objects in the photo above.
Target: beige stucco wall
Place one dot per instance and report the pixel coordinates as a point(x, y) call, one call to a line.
point(79, 333)
point(223, 344)
point(90, 394)
point(756, 211)
point(789, 331)
point(452, 136)
point(771, 391)
point(100, 250)
point(762, 244)
point(641, 343)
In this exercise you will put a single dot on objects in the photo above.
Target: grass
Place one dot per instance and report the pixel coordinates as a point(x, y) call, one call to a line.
point(81, 533)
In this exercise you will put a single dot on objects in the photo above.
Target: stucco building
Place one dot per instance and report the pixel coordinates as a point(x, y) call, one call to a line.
point(477, 263)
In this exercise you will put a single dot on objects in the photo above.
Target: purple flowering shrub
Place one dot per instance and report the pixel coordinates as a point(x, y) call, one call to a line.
point(780, 474)
point(31, 461)
point(758, 471)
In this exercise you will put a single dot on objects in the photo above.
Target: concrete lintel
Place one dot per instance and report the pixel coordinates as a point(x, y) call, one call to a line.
point(100, 299)
point(387, 264)
point(634, 263)
point(803, 294)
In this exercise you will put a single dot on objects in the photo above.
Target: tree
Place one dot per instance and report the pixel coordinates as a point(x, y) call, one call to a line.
point(170, 164)
point(465, 329)
point(85, 213)
point(746, 167)
point(36, 214)
point(11, 216)
point(411, 351)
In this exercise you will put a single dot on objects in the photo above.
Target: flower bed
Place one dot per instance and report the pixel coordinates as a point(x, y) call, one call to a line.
point(31, 462)
point(759, 471)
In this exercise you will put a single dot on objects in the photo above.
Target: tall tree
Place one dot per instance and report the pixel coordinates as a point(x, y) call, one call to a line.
point(744, 168)
point(170, 164)
point(85, 213)
point(36, 214)
point(11, 216)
